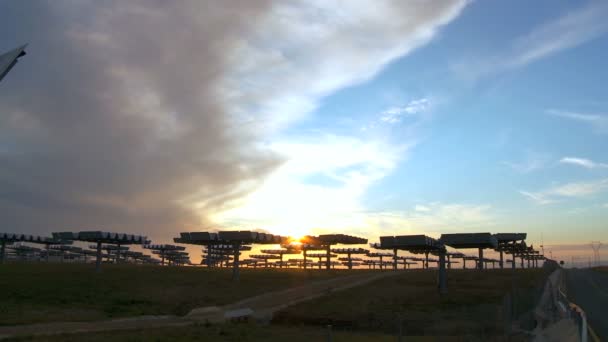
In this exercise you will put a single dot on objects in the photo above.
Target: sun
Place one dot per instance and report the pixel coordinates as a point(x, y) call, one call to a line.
point(294, 234)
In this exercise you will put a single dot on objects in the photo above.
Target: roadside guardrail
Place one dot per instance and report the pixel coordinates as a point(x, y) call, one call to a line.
point(574, 312)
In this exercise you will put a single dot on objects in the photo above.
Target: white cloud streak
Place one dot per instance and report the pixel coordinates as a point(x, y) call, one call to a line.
point(565, 32)
point(539, 198)
point(395, 115)
point(433, 219)
point(568, 31)
point(533, 161)
point(568, 190)
point(586, 163)
point(599, 122)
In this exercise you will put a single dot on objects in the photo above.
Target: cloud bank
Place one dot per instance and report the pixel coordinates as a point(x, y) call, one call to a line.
point(149, 116)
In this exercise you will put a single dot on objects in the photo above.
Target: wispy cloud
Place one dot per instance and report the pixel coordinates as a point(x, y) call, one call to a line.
point(429, 218)
point(568, 190)
point(532, 161)
point(568, 31)
point(568, 247)
point(580, 189)
point(395, 115)
point(599, 122)
point(586, 163)
point(420, 207)
point(565, 32)
point(539, 198)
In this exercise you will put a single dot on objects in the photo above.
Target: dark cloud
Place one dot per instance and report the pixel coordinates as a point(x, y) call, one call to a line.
point(115, 120)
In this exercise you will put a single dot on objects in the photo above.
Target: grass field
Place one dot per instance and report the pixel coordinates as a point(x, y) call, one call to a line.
point(475, 305)
point(222, 333)
point(474, 309)
point(33, 293)
point(601, 269)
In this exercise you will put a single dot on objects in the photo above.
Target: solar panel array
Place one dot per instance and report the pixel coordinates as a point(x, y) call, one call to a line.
point(103, 237)
point(225, 248)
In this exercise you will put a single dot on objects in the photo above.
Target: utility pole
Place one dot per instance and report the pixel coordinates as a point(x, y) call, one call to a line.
point(542, 243)
point(596, 245)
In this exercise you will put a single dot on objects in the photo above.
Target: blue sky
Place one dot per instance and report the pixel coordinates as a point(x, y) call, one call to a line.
point(499, 123)
point(304, 117)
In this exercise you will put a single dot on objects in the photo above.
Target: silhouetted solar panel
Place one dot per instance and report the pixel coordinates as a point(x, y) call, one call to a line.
point(265, 257)
point(349, 251)
point(510, 237)
point(12, 237)
point(108, 247)
point(242, 236)
point(165, 247)
point(227, 237)
point(409, 242)
point(236, 239)
point(66, 248)
point(508, 242)
point(24, 252)
point(469, 240)
point(311, 247)
point(101, 237)
point(378, 255)
point(9, 238)
point(352, 259)
point(412, 243)
point(162, 249)
point(9, 59)
point(341, 239)
point(227, 248)
point(325, 241)
point(280, 251)
point(321, 255)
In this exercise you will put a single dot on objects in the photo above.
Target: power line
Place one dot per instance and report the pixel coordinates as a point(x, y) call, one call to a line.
point(596, 245)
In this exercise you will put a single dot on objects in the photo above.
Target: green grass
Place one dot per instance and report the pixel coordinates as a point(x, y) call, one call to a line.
point(33, 293)
point(473, 309)
point(230, 332)
point(473, 306)
point(603, 269)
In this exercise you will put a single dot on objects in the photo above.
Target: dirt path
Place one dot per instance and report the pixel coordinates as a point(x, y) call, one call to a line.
point(263, 307)
point(267, 304)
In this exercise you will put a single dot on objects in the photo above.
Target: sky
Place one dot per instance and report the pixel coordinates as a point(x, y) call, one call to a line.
point(366, 118)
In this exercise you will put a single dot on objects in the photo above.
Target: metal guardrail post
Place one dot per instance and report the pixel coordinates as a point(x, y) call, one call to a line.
point(575, 313)
point(400, 322)
point(98, 260)
point(329, 337)
point(584, 328)
point(2, 251)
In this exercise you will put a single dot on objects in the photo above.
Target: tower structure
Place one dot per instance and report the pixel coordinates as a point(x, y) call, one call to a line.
point(596, 245)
